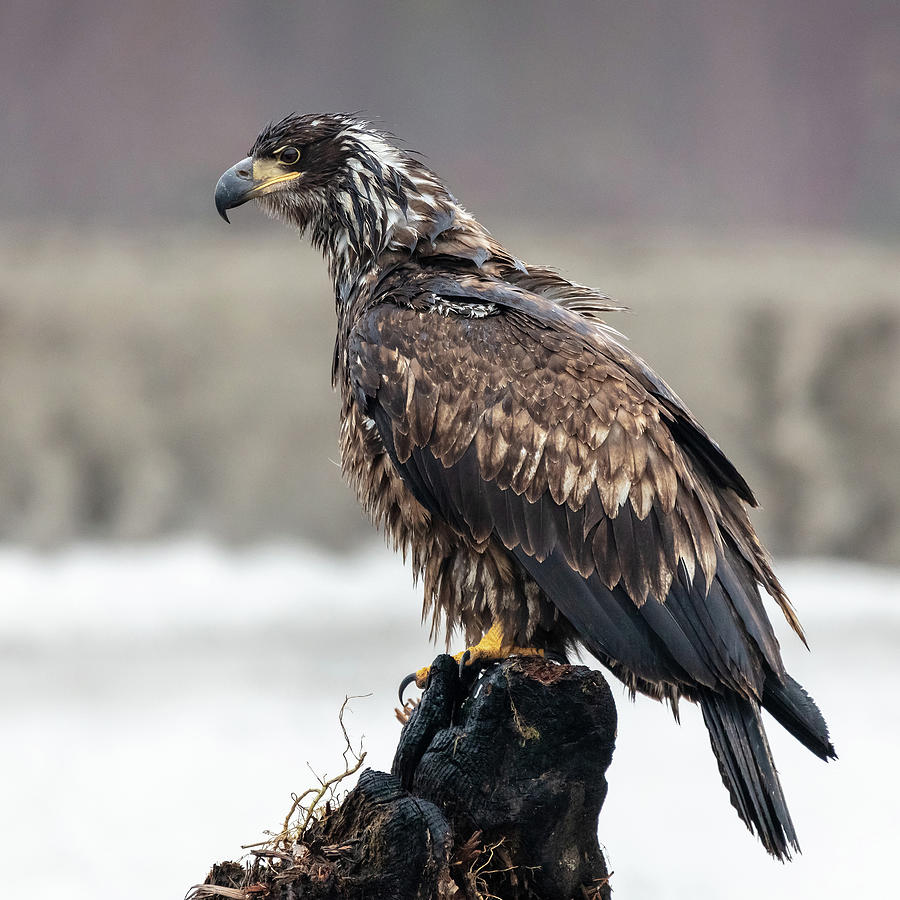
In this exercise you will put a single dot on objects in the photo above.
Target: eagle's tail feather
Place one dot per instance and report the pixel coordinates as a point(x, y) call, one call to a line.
point(745, 763)
point(797, 712)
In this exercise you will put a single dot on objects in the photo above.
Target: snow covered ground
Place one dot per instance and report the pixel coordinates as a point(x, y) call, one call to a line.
point(160, 704)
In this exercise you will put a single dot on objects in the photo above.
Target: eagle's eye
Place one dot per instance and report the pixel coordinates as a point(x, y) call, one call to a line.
point(287, 155)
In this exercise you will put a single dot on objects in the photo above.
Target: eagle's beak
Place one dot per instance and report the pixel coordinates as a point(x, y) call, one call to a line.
point(248, 179)
point(235, 187)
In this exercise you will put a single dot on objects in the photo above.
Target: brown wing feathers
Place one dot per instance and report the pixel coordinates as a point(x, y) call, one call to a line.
point(558, 459)
point(536, 431)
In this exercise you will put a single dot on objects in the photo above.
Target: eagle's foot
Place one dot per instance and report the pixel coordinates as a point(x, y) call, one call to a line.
point(493, 647)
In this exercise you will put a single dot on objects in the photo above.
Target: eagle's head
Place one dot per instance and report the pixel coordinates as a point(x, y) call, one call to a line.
point(348, 186)
point(299, 166)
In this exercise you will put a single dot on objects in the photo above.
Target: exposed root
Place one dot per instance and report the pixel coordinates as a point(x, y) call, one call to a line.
point(526, 732)
point(475, 862)
point(213, 890)
point(284, 855)
point(290, 836)
point(594, 890)
point(403, 713)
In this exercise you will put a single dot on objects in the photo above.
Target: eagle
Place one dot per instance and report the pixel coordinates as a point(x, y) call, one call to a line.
point(550, 489)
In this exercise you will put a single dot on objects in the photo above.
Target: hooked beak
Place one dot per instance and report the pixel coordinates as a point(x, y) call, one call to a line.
point(235, 187)
point(248, 179)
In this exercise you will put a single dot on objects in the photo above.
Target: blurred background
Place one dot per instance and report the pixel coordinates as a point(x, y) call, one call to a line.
point(187, 589)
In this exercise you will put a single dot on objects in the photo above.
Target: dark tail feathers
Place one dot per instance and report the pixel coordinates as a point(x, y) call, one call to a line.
point(798, 713)
point(745, 763)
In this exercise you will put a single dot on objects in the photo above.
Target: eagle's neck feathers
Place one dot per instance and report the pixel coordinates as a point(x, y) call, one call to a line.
point(380, 207)
point(386, 205)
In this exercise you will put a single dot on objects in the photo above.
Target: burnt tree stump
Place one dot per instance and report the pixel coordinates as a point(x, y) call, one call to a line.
point(495, 791)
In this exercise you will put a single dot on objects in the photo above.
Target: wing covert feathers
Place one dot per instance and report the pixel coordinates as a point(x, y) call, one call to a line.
point(553, 419)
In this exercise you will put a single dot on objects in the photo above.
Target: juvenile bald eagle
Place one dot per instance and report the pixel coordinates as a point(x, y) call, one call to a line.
point(550, 488)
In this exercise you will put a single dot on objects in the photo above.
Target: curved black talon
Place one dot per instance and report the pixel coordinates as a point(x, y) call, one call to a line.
point(462, 662)
point(553, 656)
point(405, 684)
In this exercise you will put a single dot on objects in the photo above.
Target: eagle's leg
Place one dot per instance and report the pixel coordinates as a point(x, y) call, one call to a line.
point(493, 647)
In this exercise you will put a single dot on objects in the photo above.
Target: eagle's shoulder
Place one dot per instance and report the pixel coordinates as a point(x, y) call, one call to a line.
point(483, 334)
point(466, 362)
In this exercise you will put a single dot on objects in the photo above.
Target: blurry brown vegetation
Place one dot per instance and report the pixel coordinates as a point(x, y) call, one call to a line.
point(713, 112)
point(157, 377)
point(174, 382)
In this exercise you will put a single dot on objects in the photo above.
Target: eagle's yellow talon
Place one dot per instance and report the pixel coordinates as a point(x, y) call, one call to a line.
point(491, 648)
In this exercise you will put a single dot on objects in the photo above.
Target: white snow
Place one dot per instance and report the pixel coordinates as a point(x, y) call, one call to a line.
point(160, 703)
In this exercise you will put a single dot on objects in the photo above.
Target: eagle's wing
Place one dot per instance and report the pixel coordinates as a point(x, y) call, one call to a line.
point(510, 416)
point(515, 419)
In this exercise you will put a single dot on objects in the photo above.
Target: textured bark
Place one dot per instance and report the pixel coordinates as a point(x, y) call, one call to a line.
point(495, 791)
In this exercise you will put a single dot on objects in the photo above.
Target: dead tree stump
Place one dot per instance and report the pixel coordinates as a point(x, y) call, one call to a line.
point(495, 791)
